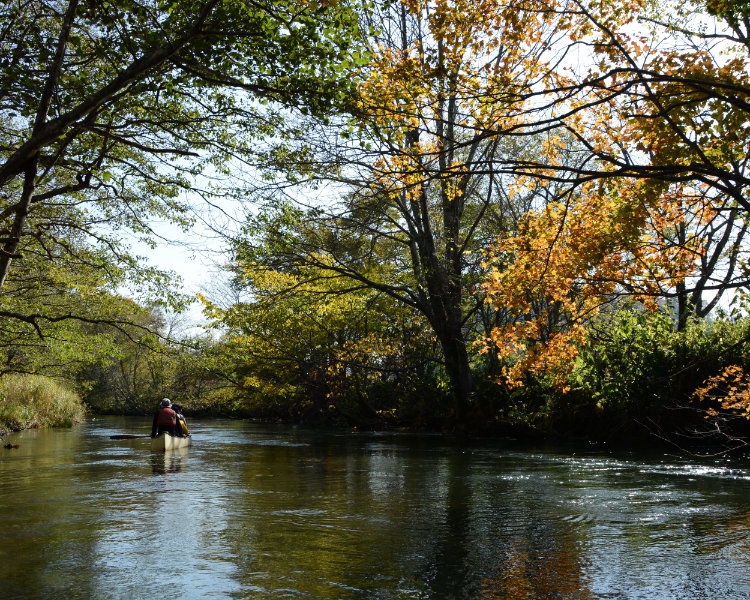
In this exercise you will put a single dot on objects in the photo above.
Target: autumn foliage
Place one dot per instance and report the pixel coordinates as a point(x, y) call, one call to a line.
point(515, 177)
point(569, 259)
point(660, 132)
point(728, 391)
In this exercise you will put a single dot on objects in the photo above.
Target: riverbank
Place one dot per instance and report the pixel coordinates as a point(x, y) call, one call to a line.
point(33, 401)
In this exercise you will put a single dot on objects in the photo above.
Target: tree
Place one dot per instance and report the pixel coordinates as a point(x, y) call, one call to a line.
point(110, 111)
point(61, 317)
point(570, 259)
point(654, 205)
point(309, 342)
point(416, 176)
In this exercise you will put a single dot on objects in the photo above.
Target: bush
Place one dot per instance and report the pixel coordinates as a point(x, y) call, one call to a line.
point(623, 367)
point(637, 368)
point(637, 375)
point(32, 401)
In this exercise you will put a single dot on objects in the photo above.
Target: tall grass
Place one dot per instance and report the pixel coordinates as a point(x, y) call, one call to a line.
point(31, 401)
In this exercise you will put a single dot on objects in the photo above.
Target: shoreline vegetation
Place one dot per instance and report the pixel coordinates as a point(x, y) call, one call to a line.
point(644, 383)
point(35, 401)
point(641, 385)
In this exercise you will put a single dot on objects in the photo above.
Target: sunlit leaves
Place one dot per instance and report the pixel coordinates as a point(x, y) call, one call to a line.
point(569, 259)
point(728, 391)
point(656, 112)
point(149, 98)
point(306, 338)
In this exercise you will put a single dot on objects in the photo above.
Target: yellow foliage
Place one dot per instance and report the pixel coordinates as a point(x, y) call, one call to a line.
point(730, 390)
point(567, 259)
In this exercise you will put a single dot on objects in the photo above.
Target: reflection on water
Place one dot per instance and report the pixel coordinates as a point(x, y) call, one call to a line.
point(169, 461)
point(261, 512)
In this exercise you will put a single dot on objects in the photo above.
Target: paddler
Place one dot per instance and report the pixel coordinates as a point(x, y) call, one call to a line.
point(182, 428)
point(165, 419)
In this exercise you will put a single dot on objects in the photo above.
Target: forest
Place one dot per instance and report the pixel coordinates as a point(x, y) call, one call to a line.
point(481, 217)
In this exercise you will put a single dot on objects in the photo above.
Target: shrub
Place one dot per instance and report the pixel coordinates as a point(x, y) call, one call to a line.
point(628, 354)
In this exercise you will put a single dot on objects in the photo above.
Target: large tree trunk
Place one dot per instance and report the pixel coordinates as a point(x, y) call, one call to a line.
point(459, 374)
point(446, 318)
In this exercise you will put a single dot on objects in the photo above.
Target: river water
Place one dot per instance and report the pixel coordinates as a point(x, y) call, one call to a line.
point(254, 511)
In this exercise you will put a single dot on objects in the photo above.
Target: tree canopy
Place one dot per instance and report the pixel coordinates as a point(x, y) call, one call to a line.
point(111, 110)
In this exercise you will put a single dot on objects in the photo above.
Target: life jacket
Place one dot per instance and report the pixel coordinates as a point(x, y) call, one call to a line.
point(183, 424)
point(167, 418)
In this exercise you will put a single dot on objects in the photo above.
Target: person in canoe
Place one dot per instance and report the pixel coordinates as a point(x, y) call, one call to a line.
point(165, 419)
point(182, 428)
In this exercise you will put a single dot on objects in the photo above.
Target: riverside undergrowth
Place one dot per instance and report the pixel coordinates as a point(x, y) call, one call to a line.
point(33, 401)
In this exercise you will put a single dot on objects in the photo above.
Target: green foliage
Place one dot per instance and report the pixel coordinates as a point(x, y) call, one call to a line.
point(110, 115)
point(312, 343)
point(59, 317)
point(637, 373)
point(630, 350)
point(107, 130)
point(147, 368)
point(35, 401)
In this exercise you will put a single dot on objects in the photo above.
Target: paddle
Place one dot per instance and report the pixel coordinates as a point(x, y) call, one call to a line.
point(127, 437)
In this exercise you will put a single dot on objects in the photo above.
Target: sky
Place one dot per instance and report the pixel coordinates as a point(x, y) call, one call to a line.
point(194, 257)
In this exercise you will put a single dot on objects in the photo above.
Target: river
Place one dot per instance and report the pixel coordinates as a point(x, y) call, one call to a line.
point(267, 512)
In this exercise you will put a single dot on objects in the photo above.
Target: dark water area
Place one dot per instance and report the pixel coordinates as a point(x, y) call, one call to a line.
point(254, 511)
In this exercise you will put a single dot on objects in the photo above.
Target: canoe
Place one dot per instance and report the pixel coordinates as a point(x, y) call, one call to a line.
point(164, 441)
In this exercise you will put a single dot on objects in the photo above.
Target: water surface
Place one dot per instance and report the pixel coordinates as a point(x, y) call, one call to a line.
point(251, 511)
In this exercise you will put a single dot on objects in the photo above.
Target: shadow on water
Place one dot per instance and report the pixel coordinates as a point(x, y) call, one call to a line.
point(253, 511)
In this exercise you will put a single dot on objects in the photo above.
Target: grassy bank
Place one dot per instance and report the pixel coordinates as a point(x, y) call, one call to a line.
point(32, 401)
